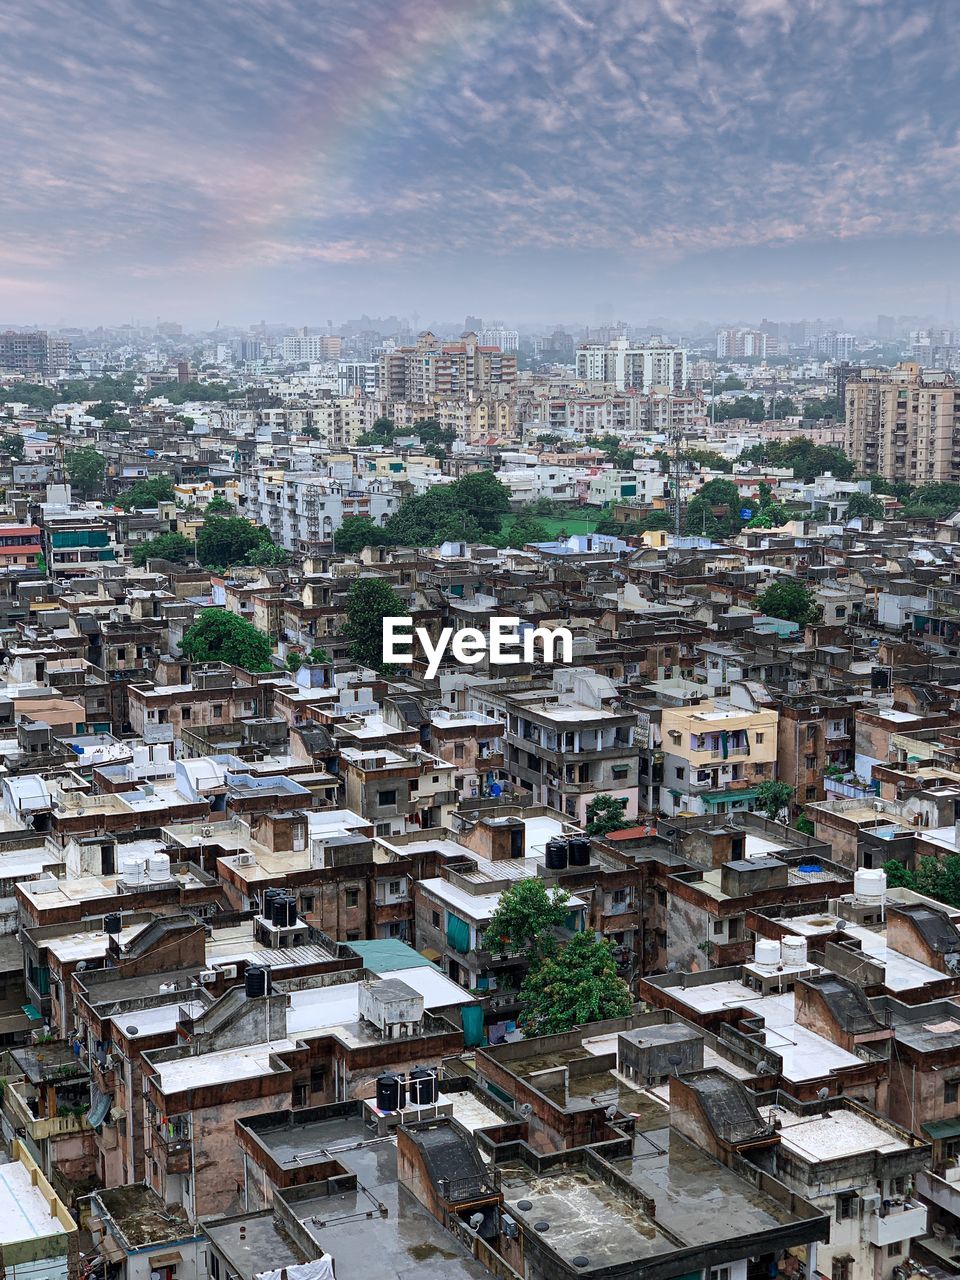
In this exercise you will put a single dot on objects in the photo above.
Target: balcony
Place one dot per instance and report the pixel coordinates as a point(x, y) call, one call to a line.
point(173, 1147)
point(24, 1105)
point(903, 1221)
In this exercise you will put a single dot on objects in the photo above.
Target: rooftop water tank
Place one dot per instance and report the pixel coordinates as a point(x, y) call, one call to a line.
point(423, 1089)
point(869, 886)
point(132, 869)
point(578, 848)
point(158, 866)
point(766, 953)
point(391, 1092)
point(794, 951)
point(555, 856)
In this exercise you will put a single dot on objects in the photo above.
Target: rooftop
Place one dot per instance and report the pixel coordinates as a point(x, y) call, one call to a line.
point(833, 1135)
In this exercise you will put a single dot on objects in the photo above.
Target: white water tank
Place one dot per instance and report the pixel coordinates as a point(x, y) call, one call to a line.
point(141, 757)
point(158, 866)
point(766, 953)
point(794, 951)
point(132, 869)
point(869, 886)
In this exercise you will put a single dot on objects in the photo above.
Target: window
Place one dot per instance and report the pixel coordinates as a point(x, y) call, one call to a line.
point(217, 710)
point(215, 1266)
point(840, 1269)
point(300, 1093)
point(186, 713)
point(810, 762)
point(719, 1273)
point(382, 828)
point(661, 897)
point(395, 887)
point(758, 737)
point(352, 897)
point(458, 751)
point(894, 1250)
point(435, 919)
point(619, 895)
point(951, 1090)
point(718, 926)
point(306, 901)
point(680, 773)
point(386, 798)
point(846, 1207)
point(318, 1079)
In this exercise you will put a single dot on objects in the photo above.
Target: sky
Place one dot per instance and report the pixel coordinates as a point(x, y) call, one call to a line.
point(526, 160)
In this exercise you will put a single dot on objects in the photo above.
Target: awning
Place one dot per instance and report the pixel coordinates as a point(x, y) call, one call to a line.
point(430, 953)
point(942, 1129)
point(31, 1011)
point(165, 1259)
point(730, 796)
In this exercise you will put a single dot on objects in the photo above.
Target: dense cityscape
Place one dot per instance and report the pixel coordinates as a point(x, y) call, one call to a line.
point(480, 640)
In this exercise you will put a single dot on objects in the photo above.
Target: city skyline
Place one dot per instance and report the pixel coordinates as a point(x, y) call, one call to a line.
point(518, 158)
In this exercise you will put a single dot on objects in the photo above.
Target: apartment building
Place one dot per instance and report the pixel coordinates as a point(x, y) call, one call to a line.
point(398, 790)
point(641, 366)
point(303, 510)
point(446, 369)
point(24, 352)
point(748, 343)
point(319, 346)
point(904, 424)
point(715, 754)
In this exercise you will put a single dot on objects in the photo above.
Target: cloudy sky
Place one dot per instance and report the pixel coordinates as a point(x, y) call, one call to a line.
point(305, 160)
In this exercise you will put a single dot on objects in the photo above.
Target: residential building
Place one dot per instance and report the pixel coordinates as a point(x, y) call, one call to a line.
point(904, 424)
point(640, 366)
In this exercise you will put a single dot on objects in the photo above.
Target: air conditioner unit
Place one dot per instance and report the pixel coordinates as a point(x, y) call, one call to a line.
point(207, 976)
point(246, 859)
point(206, 832)
point(228, 970)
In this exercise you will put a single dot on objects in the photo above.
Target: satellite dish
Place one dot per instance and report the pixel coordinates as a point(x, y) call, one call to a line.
point(81, 965)
point(526, 1110)
point(610, 1112)
point(132, 1030)
point(823, 1093)
point(764, 1068)
point(476, 1221)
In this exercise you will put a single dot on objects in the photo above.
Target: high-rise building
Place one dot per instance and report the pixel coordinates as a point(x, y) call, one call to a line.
point(498, 336)
point(901, 424)
point(626, 365)
point(24, 352)
point(746, 343)
point(448, 369)
point(842, 373)
point(320, 346)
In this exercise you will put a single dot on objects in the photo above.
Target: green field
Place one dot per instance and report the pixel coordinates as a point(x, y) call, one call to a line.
point(553, 524)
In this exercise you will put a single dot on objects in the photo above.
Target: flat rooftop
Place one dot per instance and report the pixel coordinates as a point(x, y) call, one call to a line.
point(833, 1135)
point(697, 1198)
point(246, 1062)
point(334, 1009)
point(805, 1055)
point(24, 1213)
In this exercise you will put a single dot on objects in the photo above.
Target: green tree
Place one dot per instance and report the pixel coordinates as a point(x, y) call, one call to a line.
point(526, 918)
point(294, 660)
point(358, 532)
point(267, 555)
point(115, 422)
point(864, 504)
point(13, 445)
point(369, 601)
point(181, 392)
point(483, 497)
point(773, 798)
point(220, 636)
point(804, 825)
point(41, 566)
point(218, 506)
point(661, 520)
point(85, 468)
point(318, 656)
point(789, 599)
point(605, 813)
point(228, 540)
point(102, 410)
point(523, 529)
point(168, 546)
point(146, 494)
point(577, 985)
point(700, 519)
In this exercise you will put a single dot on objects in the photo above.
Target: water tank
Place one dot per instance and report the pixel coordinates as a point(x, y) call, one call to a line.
point(793, 951)
point(422, 1086)
point(869, 887)
point(283, 911)
point(556, 855)
point(132, 869)
point(256, 981)
point(112, 922)
point(267, 899)
point(141, 757)
point(391, 1092)
point(766, 953)
point(578, 849)
point(158, 866)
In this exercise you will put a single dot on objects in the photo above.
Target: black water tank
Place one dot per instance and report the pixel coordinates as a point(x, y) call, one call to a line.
point(391, 1092)
point(267, 900)
point(278, 910)
point(256, 981)
point(423, 1087)
point(556, 855)
point(288, 911)
point(579, 851)
point(112, 922)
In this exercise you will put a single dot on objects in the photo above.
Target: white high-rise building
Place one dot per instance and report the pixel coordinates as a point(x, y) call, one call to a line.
point(638, 367)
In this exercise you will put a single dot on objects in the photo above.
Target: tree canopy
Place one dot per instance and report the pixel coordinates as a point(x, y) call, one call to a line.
point(148, 493)
point(575, 985)
point(220, 636)
point(228, 540)
point(526, 917)
point(808, 460)
point(864, 504)
point(369, 601)
point(606, 813)
point(936, 878)
point(168, 546)
point(789, 599)
point(773, 798)
point(85, 469)
point(468, 510)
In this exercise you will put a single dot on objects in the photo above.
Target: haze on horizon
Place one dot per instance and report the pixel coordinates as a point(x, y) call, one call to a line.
point(520, 158)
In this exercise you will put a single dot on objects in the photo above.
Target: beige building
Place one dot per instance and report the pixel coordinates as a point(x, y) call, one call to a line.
point(715, 755)
point(902, 424)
